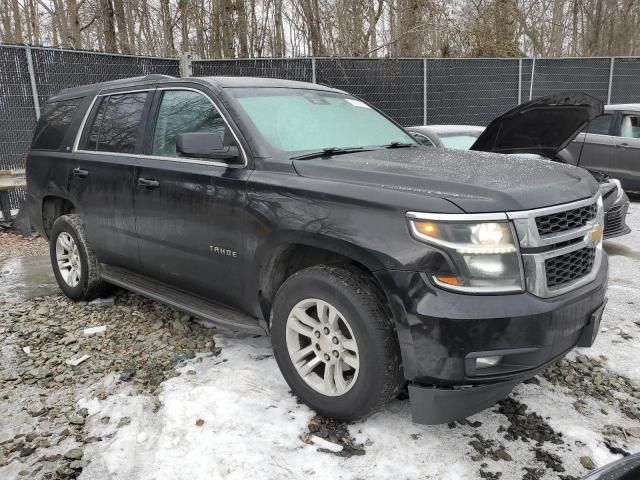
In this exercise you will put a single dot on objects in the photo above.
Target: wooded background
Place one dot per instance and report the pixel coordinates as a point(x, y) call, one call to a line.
point(359, 28)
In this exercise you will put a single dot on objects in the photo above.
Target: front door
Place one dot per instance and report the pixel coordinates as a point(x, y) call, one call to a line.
point(190, 212)
point(625, 160)
point(102, 170)
point(597, 145)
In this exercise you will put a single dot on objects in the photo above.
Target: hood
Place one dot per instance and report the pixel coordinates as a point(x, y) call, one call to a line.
point(543, 126)
point(474, 181)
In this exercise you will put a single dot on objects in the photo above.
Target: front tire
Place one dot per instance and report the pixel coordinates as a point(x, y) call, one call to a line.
point(335, 343)
point(75, 266)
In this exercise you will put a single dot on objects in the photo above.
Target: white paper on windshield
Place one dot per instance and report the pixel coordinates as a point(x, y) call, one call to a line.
point(357, 103)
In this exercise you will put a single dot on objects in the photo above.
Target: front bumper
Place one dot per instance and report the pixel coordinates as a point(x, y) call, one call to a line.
point(616, 204)
point(615, 219)
point(441, 333)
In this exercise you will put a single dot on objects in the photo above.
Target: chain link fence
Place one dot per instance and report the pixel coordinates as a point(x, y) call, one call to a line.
point(30, 75)
point(411, 91)
point(300, 69)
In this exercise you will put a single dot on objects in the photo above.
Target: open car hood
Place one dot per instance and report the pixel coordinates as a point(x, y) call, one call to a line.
point(543, 126)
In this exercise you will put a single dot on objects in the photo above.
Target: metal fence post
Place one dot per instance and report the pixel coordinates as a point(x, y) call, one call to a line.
point(186, 67)
point(424, 91)
point(610, 80)
point(313, 69)
point(519, 80)
point(533, 69)
point(32, 77)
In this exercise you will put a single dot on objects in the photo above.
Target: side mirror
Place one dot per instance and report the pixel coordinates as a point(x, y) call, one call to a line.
point(206, 145)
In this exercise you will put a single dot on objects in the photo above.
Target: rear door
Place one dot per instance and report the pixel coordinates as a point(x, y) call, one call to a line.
point(597, 145)
point(625, 158)
point(101, 179)
point(190, 212)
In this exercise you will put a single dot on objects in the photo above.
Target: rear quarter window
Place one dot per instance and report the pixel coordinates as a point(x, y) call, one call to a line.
point(54, 123)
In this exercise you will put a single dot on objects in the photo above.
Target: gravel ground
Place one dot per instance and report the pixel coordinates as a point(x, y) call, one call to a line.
point(154, 394)
point(13, 244)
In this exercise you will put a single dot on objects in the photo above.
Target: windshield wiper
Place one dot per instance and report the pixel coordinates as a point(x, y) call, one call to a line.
point(325, 152)
point(398, 145)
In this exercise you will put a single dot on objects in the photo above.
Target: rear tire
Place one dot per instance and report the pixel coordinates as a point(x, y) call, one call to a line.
point(342, 359)
point(75, 266)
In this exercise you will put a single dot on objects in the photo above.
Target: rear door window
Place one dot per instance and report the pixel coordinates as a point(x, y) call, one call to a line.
point(117, 125)
point(53, 124)
point(600, 125)
point(630, 126)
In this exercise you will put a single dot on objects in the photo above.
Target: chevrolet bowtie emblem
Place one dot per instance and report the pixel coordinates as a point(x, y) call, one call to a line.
point(596, 234)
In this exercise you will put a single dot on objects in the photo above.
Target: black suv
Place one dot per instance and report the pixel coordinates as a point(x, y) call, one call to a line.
point(299, 211)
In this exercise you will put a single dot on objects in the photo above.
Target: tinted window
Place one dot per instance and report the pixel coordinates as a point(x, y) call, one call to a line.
point(630, 126)
point(600, 125)
point(184, 111)
point(117, 124)
point(53, 124)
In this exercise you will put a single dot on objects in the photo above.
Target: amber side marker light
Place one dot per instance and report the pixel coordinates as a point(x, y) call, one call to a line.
point(449, 280)
point(427, 228)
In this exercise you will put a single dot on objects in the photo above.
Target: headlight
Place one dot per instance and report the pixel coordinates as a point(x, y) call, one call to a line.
point(485, 253)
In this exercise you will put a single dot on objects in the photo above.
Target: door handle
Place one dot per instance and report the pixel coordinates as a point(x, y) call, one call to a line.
point(148, 183)
point(80, 172)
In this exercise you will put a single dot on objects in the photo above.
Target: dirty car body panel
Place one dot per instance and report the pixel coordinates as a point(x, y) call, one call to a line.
point(360, 206)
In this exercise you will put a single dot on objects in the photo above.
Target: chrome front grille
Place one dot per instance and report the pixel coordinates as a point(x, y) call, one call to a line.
point(566, 220)
point(561, 246)
point(569, 267)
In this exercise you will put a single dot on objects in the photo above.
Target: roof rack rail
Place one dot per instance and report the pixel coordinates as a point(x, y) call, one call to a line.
point(113, 83)
point(157, 76)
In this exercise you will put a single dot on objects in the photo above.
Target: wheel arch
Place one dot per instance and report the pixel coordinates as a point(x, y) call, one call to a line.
point(284, 258)
point(54, 206)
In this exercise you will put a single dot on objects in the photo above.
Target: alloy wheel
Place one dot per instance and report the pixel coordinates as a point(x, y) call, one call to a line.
point(68, 258)
point(322, 347)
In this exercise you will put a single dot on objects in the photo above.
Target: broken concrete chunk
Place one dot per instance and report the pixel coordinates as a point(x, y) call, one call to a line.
point(322, 443)
point(74, 362)
point(94, 330)
point(102, 302)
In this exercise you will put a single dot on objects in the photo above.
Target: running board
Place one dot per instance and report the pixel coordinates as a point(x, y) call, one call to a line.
point(208, 311)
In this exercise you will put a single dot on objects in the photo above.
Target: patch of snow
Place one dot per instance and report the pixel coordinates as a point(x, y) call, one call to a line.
point(252, 427)
point(621, 313)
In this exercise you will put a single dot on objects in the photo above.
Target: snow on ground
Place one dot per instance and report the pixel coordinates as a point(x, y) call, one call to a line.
point(623, 309)
point(252, 428)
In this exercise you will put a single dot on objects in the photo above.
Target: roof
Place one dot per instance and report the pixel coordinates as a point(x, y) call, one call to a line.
point(247, 82)
point(216, 82)
point(92, 88)
point(622, 106)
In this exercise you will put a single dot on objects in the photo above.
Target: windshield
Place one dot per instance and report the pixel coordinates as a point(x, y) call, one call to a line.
point(459, 141)
point(298, 120)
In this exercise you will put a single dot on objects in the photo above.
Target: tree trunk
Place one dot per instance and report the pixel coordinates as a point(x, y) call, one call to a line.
point(17, 22)
point(167, 28)
point(108, 26)
point(121, 22)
